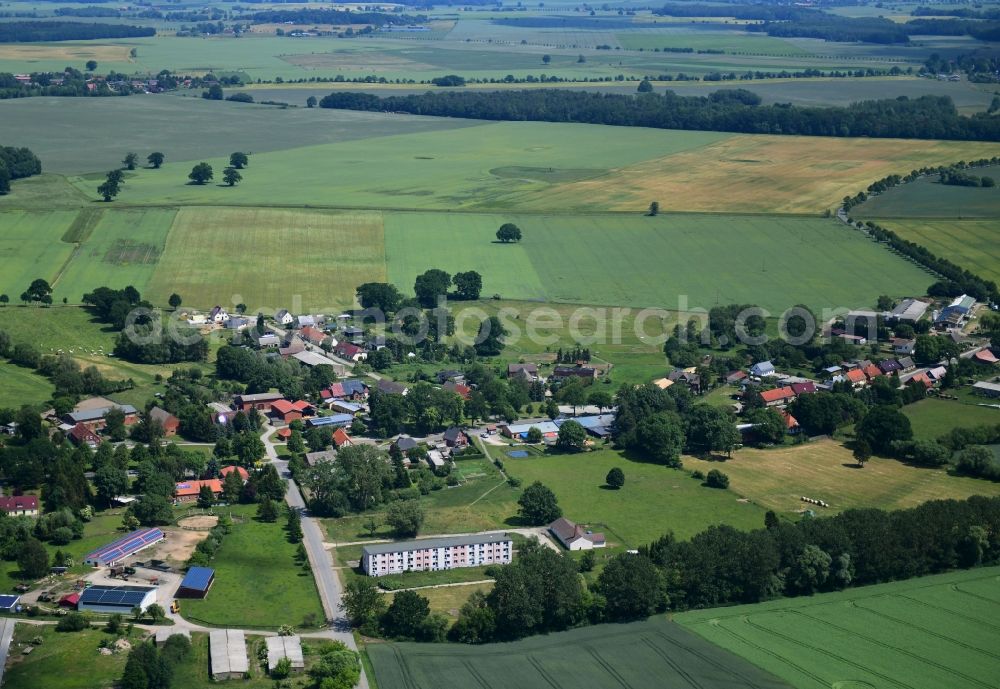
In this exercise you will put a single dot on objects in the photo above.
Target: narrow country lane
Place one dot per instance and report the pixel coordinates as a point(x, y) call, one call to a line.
point(319, 558)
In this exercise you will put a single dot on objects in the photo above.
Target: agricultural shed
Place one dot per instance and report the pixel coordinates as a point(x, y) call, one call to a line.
point(290, 647)
point(123, 547)
point(112, 599)
point(8, 603)
point(228, 654)
point(196, 583)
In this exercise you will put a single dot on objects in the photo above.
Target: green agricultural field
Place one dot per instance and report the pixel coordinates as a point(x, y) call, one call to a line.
point(115, 248)
point(269, 258)
point(777, 478)
point(652, 654)
point(182, 129)
point(31, 247)
point(257, 580)
point(654, 500)
point(733, 42)
point(972, 244)
point(937, 631)
point(433, 169)
point(927, 199)
point(775, 262)
point(933, 418)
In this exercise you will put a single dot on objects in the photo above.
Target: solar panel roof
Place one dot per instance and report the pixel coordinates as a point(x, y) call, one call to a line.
point(115, 595)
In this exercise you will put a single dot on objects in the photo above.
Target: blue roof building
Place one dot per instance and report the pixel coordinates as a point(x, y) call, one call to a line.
point(196, 583)
point(9, 603)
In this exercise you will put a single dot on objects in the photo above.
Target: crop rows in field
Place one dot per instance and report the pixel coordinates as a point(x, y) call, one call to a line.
point(921, 634)
point(652, 654)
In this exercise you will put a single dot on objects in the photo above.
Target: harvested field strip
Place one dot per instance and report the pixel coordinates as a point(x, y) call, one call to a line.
point(757, 173)
point(84, 223)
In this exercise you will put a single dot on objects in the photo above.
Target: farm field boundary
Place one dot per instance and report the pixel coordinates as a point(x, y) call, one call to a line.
point(643, 655)
point(937, 631)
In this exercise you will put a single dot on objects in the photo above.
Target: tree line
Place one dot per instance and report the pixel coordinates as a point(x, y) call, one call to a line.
point(926, 117)
point(330, 16)
point(542, 591)
point(35, 31)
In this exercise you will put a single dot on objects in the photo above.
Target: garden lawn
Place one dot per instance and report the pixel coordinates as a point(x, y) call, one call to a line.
point(258, 583)
point(936, 631)
point(653, 501)
point(639, 261)
point(933, 418)
point(448, 600)
point(825, 470)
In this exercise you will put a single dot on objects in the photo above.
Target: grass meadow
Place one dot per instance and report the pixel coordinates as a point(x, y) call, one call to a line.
point(653, 501)
point(777, 478)
point(74, 332)
point(643, 261)
point(972, 244)
point(652, 654)
point(257, 580)
point(24, 385)
point(62, 661)
point(937, 631)
point(933, 418)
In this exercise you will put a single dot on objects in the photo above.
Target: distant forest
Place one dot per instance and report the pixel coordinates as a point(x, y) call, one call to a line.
point(804, 22)
point(738, 110)
point(32, 32)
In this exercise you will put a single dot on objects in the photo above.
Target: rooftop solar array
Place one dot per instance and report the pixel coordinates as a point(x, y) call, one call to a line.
point(124, 546)
point(114, 595)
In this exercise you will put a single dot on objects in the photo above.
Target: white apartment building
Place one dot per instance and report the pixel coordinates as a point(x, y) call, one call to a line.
point(437, 553)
